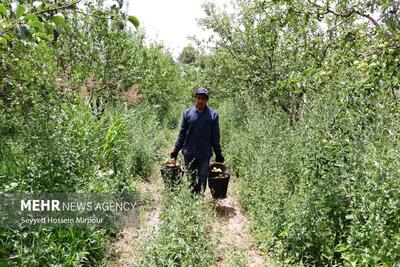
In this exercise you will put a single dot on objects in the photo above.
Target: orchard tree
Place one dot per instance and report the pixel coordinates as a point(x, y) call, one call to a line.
point(279, 51)
point(188, 55)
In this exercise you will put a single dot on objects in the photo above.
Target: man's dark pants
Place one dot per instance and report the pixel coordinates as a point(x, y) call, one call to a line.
point(198, 169)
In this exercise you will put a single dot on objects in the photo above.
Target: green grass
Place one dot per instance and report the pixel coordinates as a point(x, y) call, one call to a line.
point(183, 237)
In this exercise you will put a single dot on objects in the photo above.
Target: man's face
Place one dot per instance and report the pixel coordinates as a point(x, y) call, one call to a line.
point(201, 101)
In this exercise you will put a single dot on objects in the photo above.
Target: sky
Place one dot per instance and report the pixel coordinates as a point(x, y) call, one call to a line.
point(170, 21)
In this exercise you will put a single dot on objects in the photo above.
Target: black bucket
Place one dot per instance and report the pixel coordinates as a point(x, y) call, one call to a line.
point(218, 181)
point(171, 175)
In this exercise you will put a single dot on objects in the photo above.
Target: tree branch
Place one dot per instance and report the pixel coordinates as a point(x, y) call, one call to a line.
point(369, 18)
point(95, 16)
point(349, 14)
point(66, 6)
point(15, 22)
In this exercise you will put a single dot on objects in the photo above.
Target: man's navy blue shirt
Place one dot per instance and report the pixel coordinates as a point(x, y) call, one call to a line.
point(199, 134)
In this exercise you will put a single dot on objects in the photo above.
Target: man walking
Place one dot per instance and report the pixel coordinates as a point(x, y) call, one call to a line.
point(198, 137)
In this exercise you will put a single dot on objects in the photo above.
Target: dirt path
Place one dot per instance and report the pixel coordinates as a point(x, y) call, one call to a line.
point(127, 246)
point(231, 229)
point(236, 246)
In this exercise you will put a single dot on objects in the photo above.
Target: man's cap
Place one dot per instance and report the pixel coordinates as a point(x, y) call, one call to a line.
point(201, 91)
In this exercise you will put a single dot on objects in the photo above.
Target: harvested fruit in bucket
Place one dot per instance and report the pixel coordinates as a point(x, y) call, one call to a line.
point(171, 163)
point(171, 173)
point(218, 180)
point(216, 170)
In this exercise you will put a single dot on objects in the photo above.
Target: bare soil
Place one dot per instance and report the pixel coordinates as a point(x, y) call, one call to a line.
point(230, 227)
point(126, 248)
point(236, 246)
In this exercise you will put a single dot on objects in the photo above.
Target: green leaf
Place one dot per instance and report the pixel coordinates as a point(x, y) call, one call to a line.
point(36, 24)
point(43, 36)
point(282, 234)
point(341, 248)
point(385, 5)
point(134, 20)
point(3, 233)
point(31, 17)
point(58, 19)
point(20, 11)
point(49, 28)
point(349, 216)
point(67, 28)
point(3, 42)
point(3, 10)
point(7, 37)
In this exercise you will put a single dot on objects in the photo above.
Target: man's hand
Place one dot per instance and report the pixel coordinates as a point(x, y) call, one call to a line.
point(173, 154)
point(219, 158)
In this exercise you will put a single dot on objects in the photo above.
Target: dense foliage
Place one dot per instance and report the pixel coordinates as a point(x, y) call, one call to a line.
point(309, 96)
point(84, 106)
